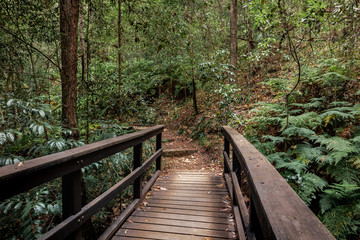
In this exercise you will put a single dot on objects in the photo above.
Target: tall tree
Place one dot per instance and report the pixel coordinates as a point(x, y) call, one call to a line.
point(192, 10)
point(233, 36)
point(69, 16)
point(119, 45)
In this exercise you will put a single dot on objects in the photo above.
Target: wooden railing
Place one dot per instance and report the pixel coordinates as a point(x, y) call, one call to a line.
point(275, 210)
point(18, 178)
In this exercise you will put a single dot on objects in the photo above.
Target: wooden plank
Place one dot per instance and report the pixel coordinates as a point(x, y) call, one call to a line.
point(281, 212)
point(239, 226)
point(109, 232)
point(187, 212)
point(193, 188)
point(178, 230)
point(153, 235)
point(188, 207)
point(186, 203)
point(242, 207)
point(182, 223)
point(18, 178)
point(180, 191)
point(189, 194)
point(184, 183)
point(219, 220)
point(180, 198)
point(73, 222)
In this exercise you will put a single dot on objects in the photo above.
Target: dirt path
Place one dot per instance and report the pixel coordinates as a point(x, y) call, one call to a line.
point(199, 161)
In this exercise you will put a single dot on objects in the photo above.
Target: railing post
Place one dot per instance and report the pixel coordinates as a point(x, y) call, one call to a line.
point(137, 163)
point(227, 150)
point(158, 146)
point(71, 198)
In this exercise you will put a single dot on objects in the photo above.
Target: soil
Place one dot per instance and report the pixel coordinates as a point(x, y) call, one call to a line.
point(201, 161)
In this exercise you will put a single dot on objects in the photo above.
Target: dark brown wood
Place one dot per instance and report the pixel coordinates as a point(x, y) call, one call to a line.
point(75, 221)
point(158, 146)
point(110, 231)
point(227, 163)
point(137, 163)
point(178, 230)
point(71, 197)
point(180, 223)
point(239, 226)
point(151, 182)
point(172, 214)
point(69, 16)
point(227, 150)
point(242, 207)
point(17, 178)
point(280, 212)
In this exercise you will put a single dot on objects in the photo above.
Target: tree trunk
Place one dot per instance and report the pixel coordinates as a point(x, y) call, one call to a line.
point(192, 57)
point(233, 37)
point(119, 45)
point(69, 15)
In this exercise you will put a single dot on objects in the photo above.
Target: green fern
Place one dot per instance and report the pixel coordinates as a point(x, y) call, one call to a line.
point(340, 209)
point(298, 131)
point(310, 120)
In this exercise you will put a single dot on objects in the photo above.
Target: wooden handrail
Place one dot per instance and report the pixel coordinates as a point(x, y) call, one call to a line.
point(18, 178)
point(275, 211)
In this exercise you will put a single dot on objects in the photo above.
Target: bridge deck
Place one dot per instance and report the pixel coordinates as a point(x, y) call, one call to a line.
point(183, 205)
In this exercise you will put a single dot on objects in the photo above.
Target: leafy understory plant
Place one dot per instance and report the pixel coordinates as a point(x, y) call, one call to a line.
point(319, 156)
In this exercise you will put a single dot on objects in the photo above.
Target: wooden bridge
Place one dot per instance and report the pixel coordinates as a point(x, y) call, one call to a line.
point(180, 205)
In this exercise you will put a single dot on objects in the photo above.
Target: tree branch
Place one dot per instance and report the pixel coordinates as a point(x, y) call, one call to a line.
point(31, 46)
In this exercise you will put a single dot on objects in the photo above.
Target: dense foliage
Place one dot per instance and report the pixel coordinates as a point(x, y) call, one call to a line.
point(296, 96)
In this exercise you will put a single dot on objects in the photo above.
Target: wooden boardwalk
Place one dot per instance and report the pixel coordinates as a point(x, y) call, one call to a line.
point(183, 205)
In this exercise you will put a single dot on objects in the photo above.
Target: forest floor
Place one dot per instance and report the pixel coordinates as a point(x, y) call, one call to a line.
point(198, 159)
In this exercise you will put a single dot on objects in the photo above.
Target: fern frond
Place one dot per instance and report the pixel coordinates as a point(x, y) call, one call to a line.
point(337, 115)
point(274, 139)
point(340, 104)
point(308, 153)
point(310, 120)
point(336, 144)
point(295, 165)
point(307, 184)
point(298, 131)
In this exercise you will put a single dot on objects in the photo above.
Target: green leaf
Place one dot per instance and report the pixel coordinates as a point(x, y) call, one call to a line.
point(2, 138)
point(41, 130)
point(10, 136)
point(42, 113)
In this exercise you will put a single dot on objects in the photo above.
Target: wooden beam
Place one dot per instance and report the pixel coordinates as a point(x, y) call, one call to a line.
point(280, 211)
point(17, 178)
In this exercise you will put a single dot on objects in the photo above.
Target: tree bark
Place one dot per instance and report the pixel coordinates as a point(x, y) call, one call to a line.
point(192, 57)
point(233, 37)
point(119, 43)
point(69, 16)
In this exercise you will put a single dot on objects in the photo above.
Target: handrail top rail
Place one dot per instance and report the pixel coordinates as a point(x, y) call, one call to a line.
point(45, 168)
point(67, 155)
point(276, 203)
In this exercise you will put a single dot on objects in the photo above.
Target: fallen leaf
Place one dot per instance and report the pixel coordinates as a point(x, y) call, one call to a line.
point(20, 164)
point(163, 189)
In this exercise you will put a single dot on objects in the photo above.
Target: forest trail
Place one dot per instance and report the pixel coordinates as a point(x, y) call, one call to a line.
point(189, 157)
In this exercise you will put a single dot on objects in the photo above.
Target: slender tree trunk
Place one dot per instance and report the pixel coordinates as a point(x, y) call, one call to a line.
point(69, 16)
point(192, 57)
point(119, 45)
point(233, 37)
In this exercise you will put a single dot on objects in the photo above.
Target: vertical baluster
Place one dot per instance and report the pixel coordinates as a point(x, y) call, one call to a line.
point(158, 146)
point(71, 198)
point(137, 163)
point(227, 150)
